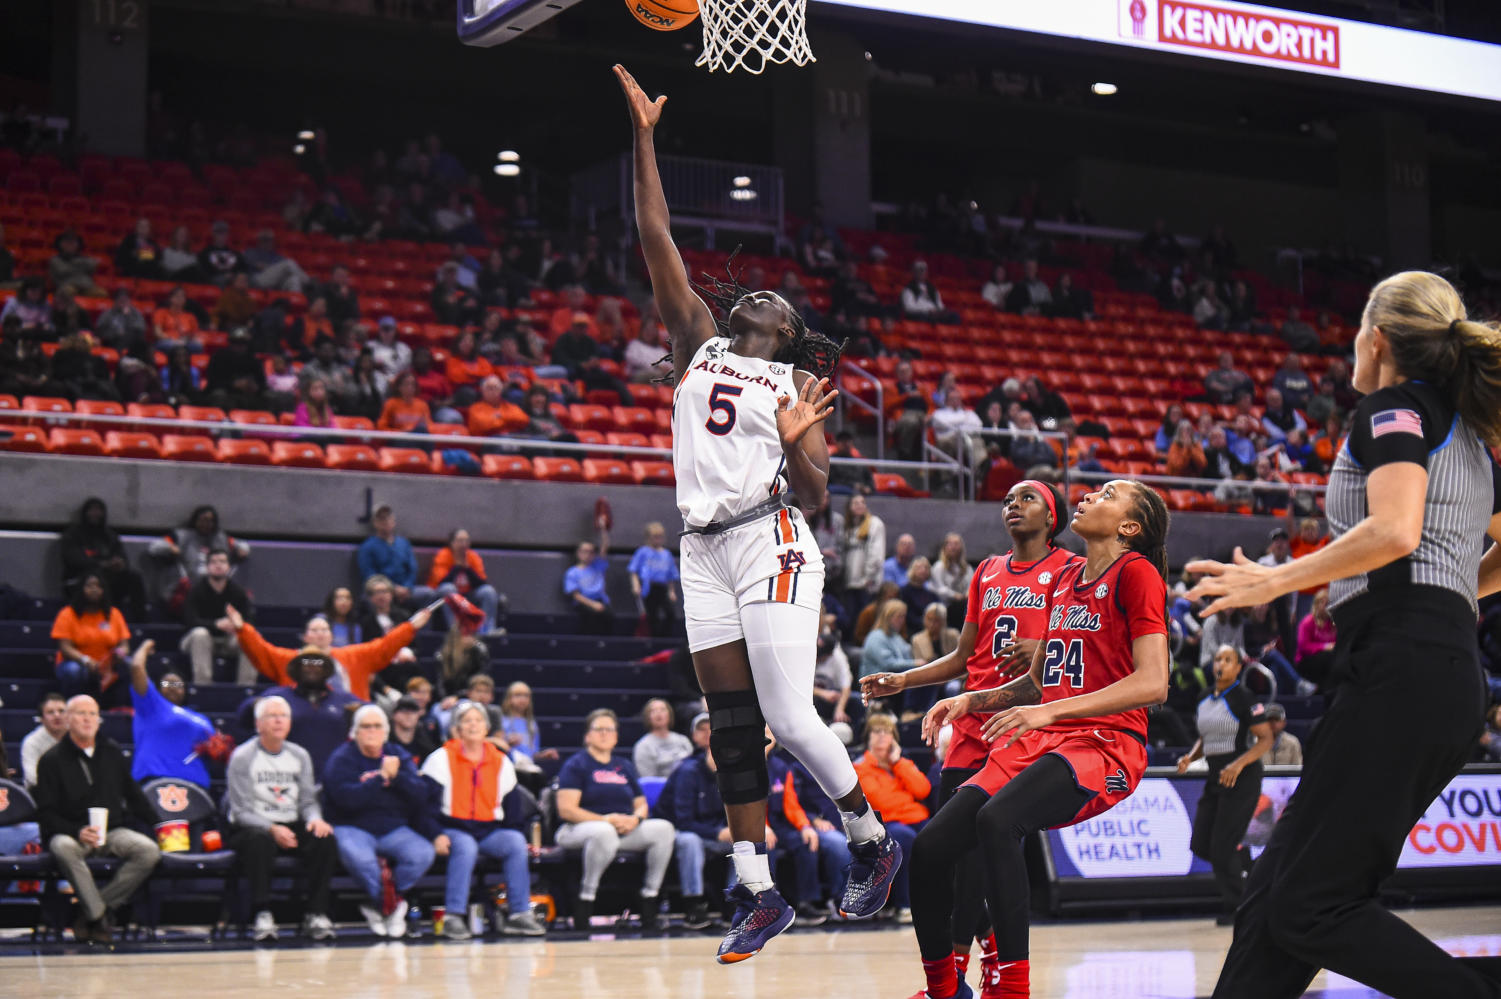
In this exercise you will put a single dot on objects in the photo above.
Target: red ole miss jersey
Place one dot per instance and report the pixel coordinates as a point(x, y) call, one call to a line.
point(1007, 600)
point(1090, 631)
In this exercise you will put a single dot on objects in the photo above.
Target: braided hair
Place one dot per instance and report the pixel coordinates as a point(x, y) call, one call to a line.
point(1150, 511)
point(809, 350)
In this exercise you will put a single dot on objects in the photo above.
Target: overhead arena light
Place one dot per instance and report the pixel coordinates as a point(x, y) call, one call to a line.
point(743, 194)
point(509, 156)
point(1104, 89)
point(299, 149)
point(507, 169)
point(742, 181)
point(306, 135)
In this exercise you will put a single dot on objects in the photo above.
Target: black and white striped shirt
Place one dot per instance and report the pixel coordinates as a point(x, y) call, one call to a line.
point(1415, 422)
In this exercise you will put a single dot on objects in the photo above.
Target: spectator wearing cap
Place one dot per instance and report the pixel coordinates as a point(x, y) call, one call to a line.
point(236, 378)
point(392, 356)
point(1286, 750)
point(320, 714)
point(388, 554)
point(380, 807)
point(660, 749)
point(411, 731)
point(353, 665)
point(273, 810)
point(86, 770)
point(575, 347)
point(171, 739)
point(343, 301)
point(218, 261)
point(481, 812)
point(654, 580)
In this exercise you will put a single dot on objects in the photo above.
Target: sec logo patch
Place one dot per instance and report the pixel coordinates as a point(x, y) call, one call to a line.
point(1101, 591)
point(1045, 578)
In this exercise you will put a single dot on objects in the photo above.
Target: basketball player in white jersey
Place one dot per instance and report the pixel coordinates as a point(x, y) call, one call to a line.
point(749, 403)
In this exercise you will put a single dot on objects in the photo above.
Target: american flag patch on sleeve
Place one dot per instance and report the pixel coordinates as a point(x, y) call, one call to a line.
point(1396, 421)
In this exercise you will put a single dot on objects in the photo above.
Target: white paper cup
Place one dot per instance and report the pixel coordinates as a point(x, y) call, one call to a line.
point(99, 819)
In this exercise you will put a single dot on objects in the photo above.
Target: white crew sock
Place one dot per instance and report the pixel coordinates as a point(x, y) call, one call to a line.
point(863, 828)
point(752, 867)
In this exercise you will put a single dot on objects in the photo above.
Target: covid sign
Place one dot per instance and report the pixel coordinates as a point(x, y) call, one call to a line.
point(1148, 834)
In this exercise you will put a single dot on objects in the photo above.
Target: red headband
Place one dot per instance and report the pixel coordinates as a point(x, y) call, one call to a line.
point(1047, 496)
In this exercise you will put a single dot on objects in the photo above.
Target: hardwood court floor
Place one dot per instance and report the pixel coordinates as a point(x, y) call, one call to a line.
point(1156, 959)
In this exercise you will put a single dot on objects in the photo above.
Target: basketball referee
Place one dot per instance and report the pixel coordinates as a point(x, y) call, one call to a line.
point(1411, 498)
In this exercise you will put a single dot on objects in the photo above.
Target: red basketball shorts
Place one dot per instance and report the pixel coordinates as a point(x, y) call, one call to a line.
point(1106, 762)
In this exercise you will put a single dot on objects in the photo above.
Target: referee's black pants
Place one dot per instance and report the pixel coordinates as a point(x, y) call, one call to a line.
point(1220, 825)
point(1405, 717)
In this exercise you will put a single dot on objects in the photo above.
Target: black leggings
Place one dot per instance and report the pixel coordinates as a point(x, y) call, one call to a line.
point(1042, 796)
point(969, 896)
point(1220, 826)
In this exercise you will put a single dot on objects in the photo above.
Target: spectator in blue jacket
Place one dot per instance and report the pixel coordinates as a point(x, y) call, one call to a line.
point(808, 826)
point(584, 584)
point(171, 739)
point(654, 580)
point(380, 806)
point(386, 553)
point(320, 714)
point(482, 812)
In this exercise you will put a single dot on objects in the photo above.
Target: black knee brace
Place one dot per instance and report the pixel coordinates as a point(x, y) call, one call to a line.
point(737, 738)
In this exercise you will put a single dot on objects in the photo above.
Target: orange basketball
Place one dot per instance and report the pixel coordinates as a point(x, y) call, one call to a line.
point(664, 15)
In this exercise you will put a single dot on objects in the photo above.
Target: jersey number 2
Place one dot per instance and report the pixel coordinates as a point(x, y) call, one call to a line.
point(722, 405)
point(1005, 633)
point(1063, 657)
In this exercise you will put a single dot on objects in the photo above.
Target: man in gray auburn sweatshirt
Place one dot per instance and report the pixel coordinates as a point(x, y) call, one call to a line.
point(273, 809)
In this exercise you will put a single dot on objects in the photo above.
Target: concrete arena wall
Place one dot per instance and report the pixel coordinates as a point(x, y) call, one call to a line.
point(324, 512)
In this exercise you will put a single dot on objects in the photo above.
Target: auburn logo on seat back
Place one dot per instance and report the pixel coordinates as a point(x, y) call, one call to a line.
point(172, 797)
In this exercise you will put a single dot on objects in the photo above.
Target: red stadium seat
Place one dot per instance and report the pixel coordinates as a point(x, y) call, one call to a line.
point(557, 470)
point(634, 418)
point(353, 423)
point(405, 459)
point(252, 451)
point(9, 402)
point(258, 417)
point(130, 444)
point(663, 441)
point(608, 470)
point(447, 430)
point(894, 485)
point(587, 417)
point(507, 466)
point(31, 440)
point(188, 447)
point(653, 473)
point(45, 404)
point(202, 414)
point(99, 407)
point(297, 454)
point(66, 440)
point(627, 440)
point(352, 457)
point(150, 411)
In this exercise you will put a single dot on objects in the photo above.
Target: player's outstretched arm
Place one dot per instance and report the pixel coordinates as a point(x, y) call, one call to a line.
point(688, 320)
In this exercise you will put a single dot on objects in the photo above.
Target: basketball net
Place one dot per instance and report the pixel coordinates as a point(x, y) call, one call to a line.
point(753, 34)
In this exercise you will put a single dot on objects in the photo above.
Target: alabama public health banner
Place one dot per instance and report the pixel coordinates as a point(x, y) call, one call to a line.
point(1147, 834)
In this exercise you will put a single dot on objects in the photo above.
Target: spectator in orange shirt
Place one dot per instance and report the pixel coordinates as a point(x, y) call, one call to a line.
point(563, 317)
point(1309, 539)
point(896, 788)
point(174, 326)
point(493, 415)
point(457, 568)
point(92, 639)
point(356, 663)
point(404, 411)
point(466, 369)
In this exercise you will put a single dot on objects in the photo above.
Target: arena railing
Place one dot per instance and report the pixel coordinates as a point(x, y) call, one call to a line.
point(850, 399)
point(391, 438)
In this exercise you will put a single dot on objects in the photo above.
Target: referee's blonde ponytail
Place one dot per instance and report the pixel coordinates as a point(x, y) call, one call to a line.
point(1424, 321)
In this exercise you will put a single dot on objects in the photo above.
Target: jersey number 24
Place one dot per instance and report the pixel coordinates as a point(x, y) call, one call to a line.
point(1063, 657)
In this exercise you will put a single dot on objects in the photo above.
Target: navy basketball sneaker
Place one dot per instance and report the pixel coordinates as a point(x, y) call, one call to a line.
point(872, 869)
point(759, 916)
point(963, 991)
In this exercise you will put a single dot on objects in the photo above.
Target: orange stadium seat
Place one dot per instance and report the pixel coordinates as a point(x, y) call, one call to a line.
point(253, 451)
point(587, 417)
point(9, 402)
point(893, 484)
point(256, 416)
point(202, 414)
point(608, 470)
point(297, 454)
point(352, 457)
point(14, 437)
point(507, 466)
point(448, 430)
point(130, 444)
point(653, 473)
point(634, 418)
point(150, 411)
point(405, 459)
point(557, 470)
point(188, 447)
point(98, 407)
point(663, 441)
point(353, 423)
point(45, 404)
point(627, 440)
point(68, 440)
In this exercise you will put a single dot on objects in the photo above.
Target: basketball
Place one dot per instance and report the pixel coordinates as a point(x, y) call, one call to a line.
point(664, 16)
